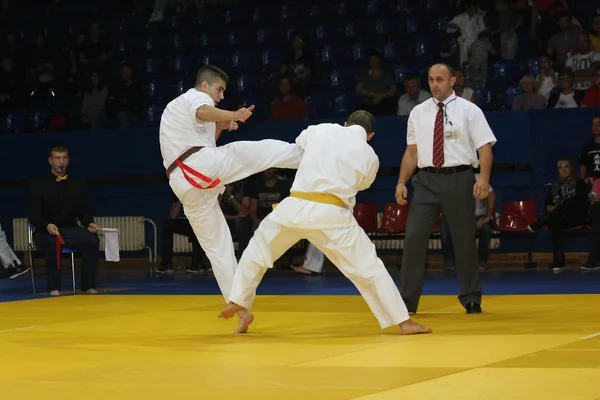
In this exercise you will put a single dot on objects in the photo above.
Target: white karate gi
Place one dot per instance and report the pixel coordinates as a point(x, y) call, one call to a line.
point(337, 161)
point(180, 130)
point(470, 28)
point(7, 255)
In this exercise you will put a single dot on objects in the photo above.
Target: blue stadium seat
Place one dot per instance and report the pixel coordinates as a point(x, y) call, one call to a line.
point(510, 95)
point(157, 90)
point(13, 123)
point(359, 52)
point(383, 27)
point(181, 22)
point(323, 32)
point(508, 71)
point(265, 36)
point(234, 16)
point(238, 38)
point(317, 107)
point(441, 23)
point(289, 12)
point(376, 6)
point(212, 59)
point(155, 67)
point(481, 98)
point(242, 60)
point(183, 64)
point(261, 14)
point(247, 84)
point(412, 26)
point(154, 114)
point(400, 73)
point(182, 42)
point(156, 45)
point(353, 30)
point(209, 40)
point(271, 59)
point(342, 80)
point(343, 105)
point(317, 12)
point(533, 66)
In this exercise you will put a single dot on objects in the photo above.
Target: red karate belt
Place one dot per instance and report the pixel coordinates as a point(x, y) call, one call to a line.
point(59, 242)
point(187, 171)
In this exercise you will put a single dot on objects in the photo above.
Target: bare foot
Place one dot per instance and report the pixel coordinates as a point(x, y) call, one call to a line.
point(301, 270)
point(91, 291)
point(54, 293)
point(230, 310)
point(410, 327)
point(246, 319)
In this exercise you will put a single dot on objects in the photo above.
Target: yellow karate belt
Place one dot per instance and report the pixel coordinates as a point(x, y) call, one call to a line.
point(325, 198)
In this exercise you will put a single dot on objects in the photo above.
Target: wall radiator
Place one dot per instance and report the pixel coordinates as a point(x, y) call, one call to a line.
point(132, 233)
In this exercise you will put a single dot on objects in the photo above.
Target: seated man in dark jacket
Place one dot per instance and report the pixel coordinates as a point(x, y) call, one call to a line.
point(567, 206)
point(56, 202)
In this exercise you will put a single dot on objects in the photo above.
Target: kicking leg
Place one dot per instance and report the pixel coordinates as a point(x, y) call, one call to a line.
point(351, 250)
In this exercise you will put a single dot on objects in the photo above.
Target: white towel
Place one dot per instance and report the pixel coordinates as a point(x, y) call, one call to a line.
point(111, 244)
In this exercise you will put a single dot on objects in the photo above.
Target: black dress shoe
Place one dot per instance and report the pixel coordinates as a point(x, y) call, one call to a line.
point(473, 308)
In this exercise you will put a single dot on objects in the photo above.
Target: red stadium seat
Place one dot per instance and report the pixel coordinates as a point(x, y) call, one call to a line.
point(517, 215)
point(366, 216)
point(394, 218)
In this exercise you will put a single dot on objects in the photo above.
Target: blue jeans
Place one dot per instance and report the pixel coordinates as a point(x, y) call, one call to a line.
point(485, 235)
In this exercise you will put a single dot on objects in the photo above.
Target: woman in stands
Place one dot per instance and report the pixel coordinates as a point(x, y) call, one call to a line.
point(566, 207)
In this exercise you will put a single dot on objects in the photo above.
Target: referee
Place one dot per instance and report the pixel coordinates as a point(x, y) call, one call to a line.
point(443, 137)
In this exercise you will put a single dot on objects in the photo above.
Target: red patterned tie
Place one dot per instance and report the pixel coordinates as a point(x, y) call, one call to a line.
point(438, 138)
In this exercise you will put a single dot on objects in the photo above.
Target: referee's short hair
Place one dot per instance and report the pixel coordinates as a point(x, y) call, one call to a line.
point(449, 67)
point(362, 118)
point(211, 74)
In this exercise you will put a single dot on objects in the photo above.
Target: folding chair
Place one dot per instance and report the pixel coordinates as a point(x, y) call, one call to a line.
point(64, 250)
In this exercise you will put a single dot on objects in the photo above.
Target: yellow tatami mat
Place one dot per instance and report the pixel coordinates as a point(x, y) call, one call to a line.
point(300, 347)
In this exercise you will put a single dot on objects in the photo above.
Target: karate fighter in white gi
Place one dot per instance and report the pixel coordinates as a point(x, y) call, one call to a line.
point(198, 170)
point(337, 163)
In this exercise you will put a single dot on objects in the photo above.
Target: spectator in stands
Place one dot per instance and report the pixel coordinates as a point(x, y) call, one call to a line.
point(264, 193)
point(376, 88)
point(595, 35)
point(504, 22)
point(548, 13)
point(41, 67)
point(530, 99)
point(13, 49)
point(589, 157)
point(235, 204)
point(478, 60)
point(484, 215)
point(414, 95)
point(548, 78)
point(584, 63)
point(180, 225)
point(563, 42)
point(77, 52)
point(12, 85)
point(94, 99)
point(299, 66)
point(96, 51)
point(125, 99)
point(592, 96)
point(468, 25)
point(566, 207)
point(10, 265)
point(287, 106)
point(56, 202)
point(567, 97)
point(460, 89)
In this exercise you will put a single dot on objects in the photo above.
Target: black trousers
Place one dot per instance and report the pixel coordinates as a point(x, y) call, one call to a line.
point(180, 226)
point(594, 256)
point(452, 195)
point(557, 221)
point(78, 239)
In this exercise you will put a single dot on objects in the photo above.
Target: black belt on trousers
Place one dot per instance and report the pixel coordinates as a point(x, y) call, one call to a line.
point(447, 170)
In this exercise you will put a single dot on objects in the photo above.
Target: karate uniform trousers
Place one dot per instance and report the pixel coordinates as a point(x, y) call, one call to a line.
point(229, 163)
point(335, 232)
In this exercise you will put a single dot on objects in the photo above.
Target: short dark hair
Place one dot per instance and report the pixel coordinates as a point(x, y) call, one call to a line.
point(449, 67)
point(595, 116)
point(362, 118)
point(58, 148)
point(211, 74)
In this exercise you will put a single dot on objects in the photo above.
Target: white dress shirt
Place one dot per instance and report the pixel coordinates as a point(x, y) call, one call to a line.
point(180, 130)
point(337, 160)
point(465, 131)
